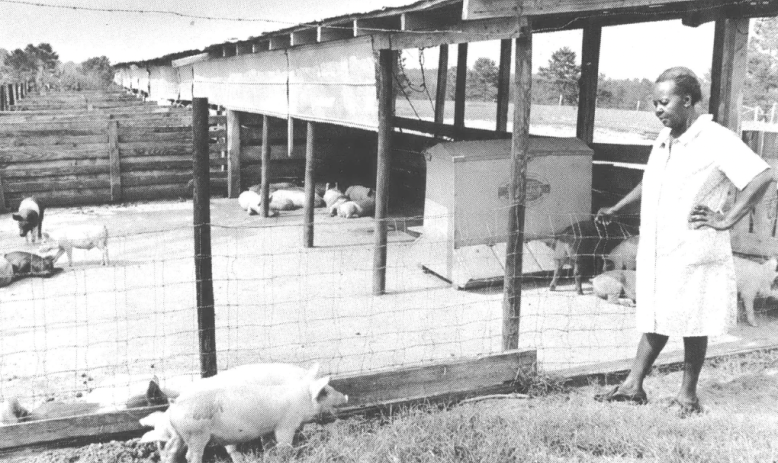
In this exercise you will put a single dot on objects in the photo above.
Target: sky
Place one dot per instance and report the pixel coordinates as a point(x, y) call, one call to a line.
point(634, 51)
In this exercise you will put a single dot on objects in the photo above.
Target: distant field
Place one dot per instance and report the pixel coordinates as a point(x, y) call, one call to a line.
point(611, 125)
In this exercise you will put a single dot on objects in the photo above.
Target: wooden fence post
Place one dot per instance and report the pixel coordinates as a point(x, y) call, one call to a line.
point(590, 73)
point(3, 207)
point(386, 59)
point(518, 190)
point(202, 238)
point(114, 159)
point(460, 97)
point(310, 187)
point(503, 85)
point(233, 154)
point(265, 178)
point(440, 94)
point(2, 98)
point(11, 100)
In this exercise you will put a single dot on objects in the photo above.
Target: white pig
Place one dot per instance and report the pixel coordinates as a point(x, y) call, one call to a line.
point(331, 195)
point(246, 403)
point(296, 196)
point(77, 236)
point(250, 201)
point(357, 208)
point(614, 284)
point(754, 279)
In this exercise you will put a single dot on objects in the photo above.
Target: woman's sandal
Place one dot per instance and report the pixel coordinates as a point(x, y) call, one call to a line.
point(614, 395)
point(686, 409)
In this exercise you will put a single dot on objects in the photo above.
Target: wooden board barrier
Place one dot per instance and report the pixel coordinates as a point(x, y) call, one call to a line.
point(439, 382)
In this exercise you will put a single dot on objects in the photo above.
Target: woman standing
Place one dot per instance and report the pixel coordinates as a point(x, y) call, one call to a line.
point(686, 277)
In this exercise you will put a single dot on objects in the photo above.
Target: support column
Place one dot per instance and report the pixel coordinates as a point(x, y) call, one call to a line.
point(522, 98)
point(460, 95)
point(385, 97)
point(264, 177)
point(590, 71)
point(202, 238)
point(503, 85)
point(728, 71)
point(310, 187)
point(233, 153)
point(440, 94)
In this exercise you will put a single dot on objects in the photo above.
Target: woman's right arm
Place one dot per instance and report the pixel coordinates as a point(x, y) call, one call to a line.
point(606, 213)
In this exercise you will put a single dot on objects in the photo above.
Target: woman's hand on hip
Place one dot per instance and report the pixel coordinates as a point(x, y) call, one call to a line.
point(703, 216)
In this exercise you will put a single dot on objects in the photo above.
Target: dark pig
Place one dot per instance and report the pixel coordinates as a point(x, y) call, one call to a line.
point(29, 218)
point(26, 264)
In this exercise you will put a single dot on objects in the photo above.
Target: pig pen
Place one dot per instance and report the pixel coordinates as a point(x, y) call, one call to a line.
point(276, 301)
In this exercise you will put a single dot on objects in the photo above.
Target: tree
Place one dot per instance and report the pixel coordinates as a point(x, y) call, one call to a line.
point(563, 74)
point(761, 85)
point(98, 70)
point(482, 80)
point(37, 63)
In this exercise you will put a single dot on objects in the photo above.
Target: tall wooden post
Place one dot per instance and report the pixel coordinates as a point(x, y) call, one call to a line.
point(459, 94)
point(202, 238)
point(2, 98)
point(440, 93)
point(590, 70)
point(728, 70)
point(522, 99)
point(233, 153)
point(310, 187)
point(503, 85)
point(264, 177)
point(115, 161)
point(383, 165)
point(11, 99)
point(289, 136)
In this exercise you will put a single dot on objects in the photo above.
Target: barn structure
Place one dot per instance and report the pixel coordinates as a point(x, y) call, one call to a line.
point(317, 100)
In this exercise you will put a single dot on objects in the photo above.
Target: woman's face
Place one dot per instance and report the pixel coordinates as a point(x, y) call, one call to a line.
point(671, 108)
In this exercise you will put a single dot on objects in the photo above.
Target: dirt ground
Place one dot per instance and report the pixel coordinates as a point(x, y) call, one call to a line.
point(106, 328)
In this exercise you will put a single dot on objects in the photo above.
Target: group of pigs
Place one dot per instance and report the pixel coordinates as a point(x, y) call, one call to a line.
point(357, 201)
point(590, 247)
point(269, 401)
point(20, 264)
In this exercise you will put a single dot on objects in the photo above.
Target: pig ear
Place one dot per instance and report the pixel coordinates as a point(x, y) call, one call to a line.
point(154, 395)
point(17, 217)
point(318, 389)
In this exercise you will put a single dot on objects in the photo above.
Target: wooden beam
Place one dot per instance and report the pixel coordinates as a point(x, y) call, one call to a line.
point(522, 101)
point(386, 60)
point(264, 178)
point(463, 32)
point(439, 382)
point(310, 187)
point(447, 130)
point(728, 71)
point(3, 206)
point(460, 96)
point(590, 71)
point(2, 98)
point(503, 85)
point(483, 9)
point(115, 161)
point(233, 154)
point(440, 93)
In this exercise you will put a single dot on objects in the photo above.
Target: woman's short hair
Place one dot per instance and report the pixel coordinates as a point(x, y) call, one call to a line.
point(686, 82)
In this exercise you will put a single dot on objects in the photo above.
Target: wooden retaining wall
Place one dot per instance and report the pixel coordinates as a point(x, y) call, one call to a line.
point(95, 157)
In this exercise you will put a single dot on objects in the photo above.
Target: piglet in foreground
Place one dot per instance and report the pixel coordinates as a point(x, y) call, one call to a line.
point(29, 218)
point(26, 264)
point(246, 403)
point(80, 237)
point(754, 279)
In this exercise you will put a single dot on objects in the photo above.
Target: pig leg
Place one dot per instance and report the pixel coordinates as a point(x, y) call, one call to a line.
point(284, 436)
point(104, 261)
point(173, 450)
point(69, 251)
point(40, 225)
point(555, 278)
point(748, 302)
point(577, 275)
point(196, 449)
point(236, 456)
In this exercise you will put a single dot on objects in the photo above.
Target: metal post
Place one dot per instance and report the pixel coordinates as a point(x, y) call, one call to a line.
point(202, 238)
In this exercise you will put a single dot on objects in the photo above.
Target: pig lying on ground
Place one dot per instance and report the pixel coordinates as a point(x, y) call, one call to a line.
point(331, 194)
point(80, 237)
point(615, 284)
point(623, 256)
point(359, 192)
point(252, 202)
point(357, 208)
point(246, 403)
point(583, 246)
point(296, 196)
point(754, 280)
point(26, 264)
point(6, 272)
point(29, 218)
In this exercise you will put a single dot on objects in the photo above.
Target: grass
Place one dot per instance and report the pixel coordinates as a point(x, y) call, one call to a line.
point(559, 425)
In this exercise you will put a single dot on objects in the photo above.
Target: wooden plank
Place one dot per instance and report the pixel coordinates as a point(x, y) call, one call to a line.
point(310, 163)
point(57, 184)
point(503, 85)
point(517, 192)
point(460, 86)
point(72, 141)
point(233, 154)
point(590, 72)
point(728, 70)
point(155, 192)
point(3, 207)
point(114, 159)
point(154, 149)
point(264, 193)
point(483, 9)
point(66, 198)
point(141, 178)
point(387, 58)
point(53, 169)
point(449, 381)
point(30, 154)
point(456, 133)
point(463, 32)
point(632, 154)
point(139, 135)
point(440, 93)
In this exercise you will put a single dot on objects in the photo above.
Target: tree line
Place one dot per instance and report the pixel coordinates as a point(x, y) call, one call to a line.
point(41, 65)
